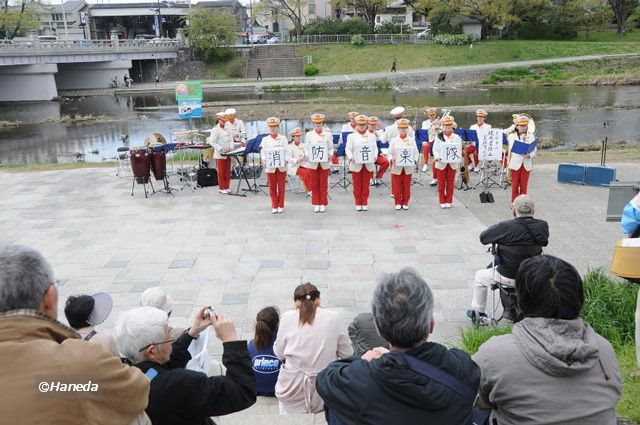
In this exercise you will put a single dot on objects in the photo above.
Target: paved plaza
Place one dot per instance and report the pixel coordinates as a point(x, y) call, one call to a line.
point(232, 253)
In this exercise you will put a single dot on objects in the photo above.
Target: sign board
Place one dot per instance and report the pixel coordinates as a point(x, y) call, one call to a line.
point(317, 152)
point(489, 144)
point(451, 152)
point(364, 154)
point(403, 157)
point(189, 90)
point(274, 157)
point(189, 109)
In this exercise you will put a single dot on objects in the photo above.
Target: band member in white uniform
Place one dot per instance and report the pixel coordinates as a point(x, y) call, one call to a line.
point(319, 144)
point(296, 161)
point(481, 115)
point(276, 176)
point(520, 165)
point(404, 144)
point(446, 171)
point(351, 125)
point(426, 146)
point(361, 148)
point(382, 162)
point(222, 141)
point(236, 126)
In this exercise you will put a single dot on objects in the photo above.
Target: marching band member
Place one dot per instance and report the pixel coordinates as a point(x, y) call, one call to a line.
point(361, 172)
point(276, 176)
point(391, 131)
point(382, 162)
point(434, 130)
point(319, 171)
point(351, 125)
point(446, 171)
point(520, 165)
point(236, 126)
point(295, 161)
point(481, 115)
point(401, 175)
point(222, 141)
point(426, 146)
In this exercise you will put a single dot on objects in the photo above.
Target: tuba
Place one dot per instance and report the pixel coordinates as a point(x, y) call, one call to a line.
point(464, 167)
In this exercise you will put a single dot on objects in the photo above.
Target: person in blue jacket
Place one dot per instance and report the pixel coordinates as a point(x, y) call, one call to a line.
point(630, 222)
point(265, 364)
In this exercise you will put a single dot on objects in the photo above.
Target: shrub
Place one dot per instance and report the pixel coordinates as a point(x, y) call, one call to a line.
point(393, 28)
point(609, 307)
point(454, 39)
point(331, 27)
point(237, 69)
point(311, 69)
point(354, 26)
point(219, 54)
point(546, 31)
point(357, 40)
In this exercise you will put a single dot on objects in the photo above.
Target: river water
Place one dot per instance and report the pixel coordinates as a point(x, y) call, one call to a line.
point(571, 114)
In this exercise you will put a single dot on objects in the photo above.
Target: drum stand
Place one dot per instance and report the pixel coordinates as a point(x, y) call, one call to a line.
point(144, 184)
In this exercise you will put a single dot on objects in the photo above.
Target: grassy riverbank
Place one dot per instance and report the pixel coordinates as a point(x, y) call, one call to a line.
point(617, 71)
point(609, 308)
point(348, 59)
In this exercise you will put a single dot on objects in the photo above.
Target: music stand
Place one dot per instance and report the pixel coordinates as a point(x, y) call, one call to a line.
point(340, 153)
point(254, 146)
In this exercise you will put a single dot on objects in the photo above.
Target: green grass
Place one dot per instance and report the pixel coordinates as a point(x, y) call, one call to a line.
point(347, 59)
point(222, 70)
point(609, 71)
point(609, 36)
point(609, 308)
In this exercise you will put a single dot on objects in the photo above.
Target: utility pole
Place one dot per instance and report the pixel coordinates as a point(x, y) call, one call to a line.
point(64, 20)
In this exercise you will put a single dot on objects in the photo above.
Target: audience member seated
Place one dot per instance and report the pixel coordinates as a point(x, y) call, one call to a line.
point(364, 335)
point(201, 358)
point(178, 395)
point(309, 338)
point(385, 386)
point(266, 366)
point(517, 239)
point(84, 312)
point(38, 353)
point(553, 368)
point(630, 220)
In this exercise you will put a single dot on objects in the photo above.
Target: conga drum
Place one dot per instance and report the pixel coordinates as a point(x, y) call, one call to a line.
point(141, 164)
point(158, 164)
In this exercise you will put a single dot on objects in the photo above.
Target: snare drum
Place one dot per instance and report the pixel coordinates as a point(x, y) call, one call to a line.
point(158, 164)
point(140, 164)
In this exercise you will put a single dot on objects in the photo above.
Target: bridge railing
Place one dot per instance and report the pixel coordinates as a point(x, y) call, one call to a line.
point(68, 46)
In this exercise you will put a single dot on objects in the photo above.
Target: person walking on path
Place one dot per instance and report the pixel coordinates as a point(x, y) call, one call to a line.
point(259, 77)
point(393, 65)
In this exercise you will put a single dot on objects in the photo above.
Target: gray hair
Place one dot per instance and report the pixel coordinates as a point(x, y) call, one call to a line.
point(25, 276)
point(403, 308)
point(156, 297)
point(523, 206)
point(137, 328)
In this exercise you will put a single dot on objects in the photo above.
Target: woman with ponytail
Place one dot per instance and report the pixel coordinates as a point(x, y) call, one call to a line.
point(309, 338)
point(265, 364)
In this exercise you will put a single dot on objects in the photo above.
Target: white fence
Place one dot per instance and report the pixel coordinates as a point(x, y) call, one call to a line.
point(368, 39)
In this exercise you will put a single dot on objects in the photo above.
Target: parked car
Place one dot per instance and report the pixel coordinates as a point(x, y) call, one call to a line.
point(273, 40)
point(424, 33)
point(82, 43)
point(258, 39)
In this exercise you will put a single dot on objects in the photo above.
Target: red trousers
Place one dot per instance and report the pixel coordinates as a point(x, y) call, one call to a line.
point(361, 185)
point(519, 182)
point(446, 184)
point(401, 187)
point(335, 160)
point(224, 173)
point(383, 163)
point(426, 148)
point(303, 173)
point(319, 185)
point(277, 181)
point(434, 171)
point(471, 151)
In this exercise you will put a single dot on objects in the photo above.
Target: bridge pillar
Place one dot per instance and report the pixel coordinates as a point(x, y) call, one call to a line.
point(28, 82)
point(91, 75)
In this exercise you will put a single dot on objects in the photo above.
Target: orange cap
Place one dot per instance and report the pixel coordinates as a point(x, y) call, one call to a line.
point(403, 123)
point(522, 120)
point(361, 119)
point(431, 111)
point(317, 118)
point(296, 132)
point(372, 120)
point(448, 121)
point(273, 121)
point(481, 113)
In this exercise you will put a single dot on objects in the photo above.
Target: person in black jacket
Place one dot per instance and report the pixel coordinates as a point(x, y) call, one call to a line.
point(517, 239)
point(382, 387)
point(179, 396)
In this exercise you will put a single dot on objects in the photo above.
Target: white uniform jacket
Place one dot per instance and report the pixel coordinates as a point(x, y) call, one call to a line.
point(438, 154)
point(477, 127)
point(518, 160)
point(237, 128)
point(279, 142)
point(354, 142)
point(325, 138)
point(220, 138)
point(296, 158)
point(397, 142)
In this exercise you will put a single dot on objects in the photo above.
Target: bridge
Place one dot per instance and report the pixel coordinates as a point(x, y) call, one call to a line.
point(32, 70)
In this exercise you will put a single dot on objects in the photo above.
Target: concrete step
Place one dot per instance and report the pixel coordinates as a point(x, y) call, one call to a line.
point(275, 67)
point(273, 51)
point(265, 412)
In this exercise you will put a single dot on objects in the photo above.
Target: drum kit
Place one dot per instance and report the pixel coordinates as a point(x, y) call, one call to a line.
point(152, 158)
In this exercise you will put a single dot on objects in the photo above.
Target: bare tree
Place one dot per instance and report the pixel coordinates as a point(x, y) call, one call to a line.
point(369, 9)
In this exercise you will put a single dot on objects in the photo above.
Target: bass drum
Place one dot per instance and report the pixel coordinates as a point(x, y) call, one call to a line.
point(159, 164)
point(140, 164)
